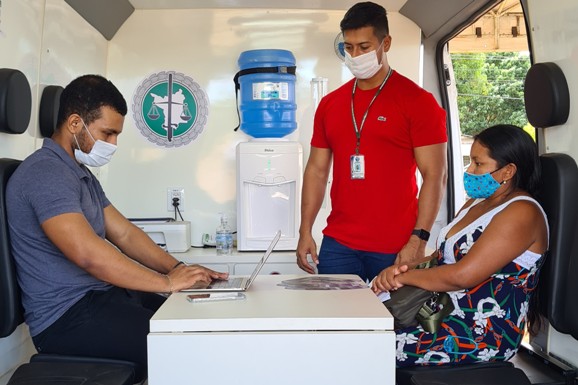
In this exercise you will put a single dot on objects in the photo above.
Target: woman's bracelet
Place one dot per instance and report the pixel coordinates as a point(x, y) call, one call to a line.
point(177, 265)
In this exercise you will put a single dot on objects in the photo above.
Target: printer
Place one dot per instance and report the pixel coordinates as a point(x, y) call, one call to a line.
point(175, 236)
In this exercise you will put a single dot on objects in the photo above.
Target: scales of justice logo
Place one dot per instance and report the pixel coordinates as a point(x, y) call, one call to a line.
point(170, 109)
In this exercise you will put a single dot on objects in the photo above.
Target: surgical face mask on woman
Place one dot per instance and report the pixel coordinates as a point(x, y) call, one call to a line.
point(366, 65)
point(100, 154)
point(481, 186)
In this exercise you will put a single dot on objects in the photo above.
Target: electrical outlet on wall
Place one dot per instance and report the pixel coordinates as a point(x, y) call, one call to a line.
point(175, 192)
point(208, 240)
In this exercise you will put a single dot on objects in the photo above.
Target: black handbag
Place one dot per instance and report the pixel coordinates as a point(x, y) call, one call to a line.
point(410, 305)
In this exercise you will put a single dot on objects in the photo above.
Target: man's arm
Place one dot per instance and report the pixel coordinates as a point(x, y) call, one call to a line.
point(135, 243)
point(314, 184)
point(432, 165)
point(74, 236)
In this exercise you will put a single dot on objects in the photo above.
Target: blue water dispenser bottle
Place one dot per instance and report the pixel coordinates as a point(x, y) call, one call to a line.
point(266, 93)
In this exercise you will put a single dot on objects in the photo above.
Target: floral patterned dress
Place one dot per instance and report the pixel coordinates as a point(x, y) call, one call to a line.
point(489, 320)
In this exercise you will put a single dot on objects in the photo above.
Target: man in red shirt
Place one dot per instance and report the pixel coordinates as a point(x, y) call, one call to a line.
point(376, 128)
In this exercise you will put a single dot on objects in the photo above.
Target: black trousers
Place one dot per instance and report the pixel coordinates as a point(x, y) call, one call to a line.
point(110, 324)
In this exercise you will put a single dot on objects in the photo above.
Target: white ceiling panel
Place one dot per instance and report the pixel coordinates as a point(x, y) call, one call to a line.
point(390, 5)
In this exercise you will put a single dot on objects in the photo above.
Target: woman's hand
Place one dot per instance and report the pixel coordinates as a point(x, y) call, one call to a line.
point(388, 280)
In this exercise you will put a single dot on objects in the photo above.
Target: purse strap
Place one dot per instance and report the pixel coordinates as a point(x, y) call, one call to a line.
point(434, 310)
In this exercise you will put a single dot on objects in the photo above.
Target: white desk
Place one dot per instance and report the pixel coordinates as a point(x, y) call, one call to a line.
point(275, 336)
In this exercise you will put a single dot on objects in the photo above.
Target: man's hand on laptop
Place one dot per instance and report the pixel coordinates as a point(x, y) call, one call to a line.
point(195, 276)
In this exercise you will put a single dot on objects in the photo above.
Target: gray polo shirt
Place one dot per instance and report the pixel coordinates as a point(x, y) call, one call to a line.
point(50, 183)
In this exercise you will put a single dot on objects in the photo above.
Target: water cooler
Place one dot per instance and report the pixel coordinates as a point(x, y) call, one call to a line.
point(269, 177)
point(269, 167)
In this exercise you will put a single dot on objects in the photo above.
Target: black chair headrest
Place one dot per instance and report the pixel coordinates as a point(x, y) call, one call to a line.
point(48, 114)
point(546, 95)
point(15, 101)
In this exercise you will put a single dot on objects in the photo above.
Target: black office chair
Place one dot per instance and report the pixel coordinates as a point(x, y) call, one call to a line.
point(45, 369)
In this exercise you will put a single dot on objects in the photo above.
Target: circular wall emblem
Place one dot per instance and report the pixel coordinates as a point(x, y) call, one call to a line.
point(339, 47)
point(170, 109)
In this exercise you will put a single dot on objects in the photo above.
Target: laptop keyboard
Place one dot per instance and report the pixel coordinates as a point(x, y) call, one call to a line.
point(231, 283)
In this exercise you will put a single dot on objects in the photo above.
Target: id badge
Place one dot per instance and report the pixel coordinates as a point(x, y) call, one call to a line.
point(357, 166)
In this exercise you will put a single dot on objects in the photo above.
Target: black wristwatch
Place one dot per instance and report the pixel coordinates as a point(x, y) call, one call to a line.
point(421, 234)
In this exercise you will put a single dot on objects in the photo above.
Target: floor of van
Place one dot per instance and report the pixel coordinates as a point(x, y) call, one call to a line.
point(542, 372)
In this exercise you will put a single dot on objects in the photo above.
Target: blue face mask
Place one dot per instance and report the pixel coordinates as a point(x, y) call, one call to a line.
point(480, 186)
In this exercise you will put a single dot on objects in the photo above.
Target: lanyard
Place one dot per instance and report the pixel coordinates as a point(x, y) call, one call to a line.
point(358, 130)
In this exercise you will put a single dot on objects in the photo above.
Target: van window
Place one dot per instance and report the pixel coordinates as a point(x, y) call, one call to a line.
point(490, 59)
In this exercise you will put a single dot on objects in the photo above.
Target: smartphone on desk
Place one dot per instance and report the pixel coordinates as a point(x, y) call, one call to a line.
point(211, 297)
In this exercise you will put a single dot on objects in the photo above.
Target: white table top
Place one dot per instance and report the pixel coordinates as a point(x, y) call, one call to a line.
point(269, 307)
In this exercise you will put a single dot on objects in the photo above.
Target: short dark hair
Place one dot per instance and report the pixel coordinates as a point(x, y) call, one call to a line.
point(511, 144)
point(366, 14)
point(85, 96)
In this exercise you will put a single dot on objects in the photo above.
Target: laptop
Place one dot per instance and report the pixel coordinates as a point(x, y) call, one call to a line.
point(238, 283)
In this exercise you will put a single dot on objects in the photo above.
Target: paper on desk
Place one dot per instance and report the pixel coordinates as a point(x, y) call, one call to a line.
point(323, 283)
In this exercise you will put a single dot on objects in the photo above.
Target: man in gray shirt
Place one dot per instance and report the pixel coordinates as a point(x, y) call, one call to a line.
point(89, 277)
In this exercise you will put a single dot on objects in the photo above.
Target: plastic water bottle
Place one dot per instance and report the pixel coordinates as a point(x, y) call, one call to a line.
point(224, 237)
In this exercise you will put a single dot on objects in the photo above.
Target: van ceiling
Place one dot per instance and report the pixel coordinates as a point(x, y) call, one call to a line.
point(107, 16)
point(390, 5)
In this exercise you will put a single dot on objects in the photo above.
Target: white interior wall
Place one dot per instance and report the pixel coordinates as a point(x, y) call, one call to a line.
point(51, 44)
point(20, 42)
point(205, 44)
point(559, 24)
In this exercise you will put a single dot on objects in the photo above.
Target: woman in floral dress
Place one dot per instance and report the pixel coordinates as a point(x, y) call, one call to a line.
point(489, 258)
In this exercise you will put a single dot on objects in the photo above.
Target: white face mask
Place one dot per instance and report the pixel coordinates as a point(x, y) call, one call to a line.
point(364, 66)
point(100, 154)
